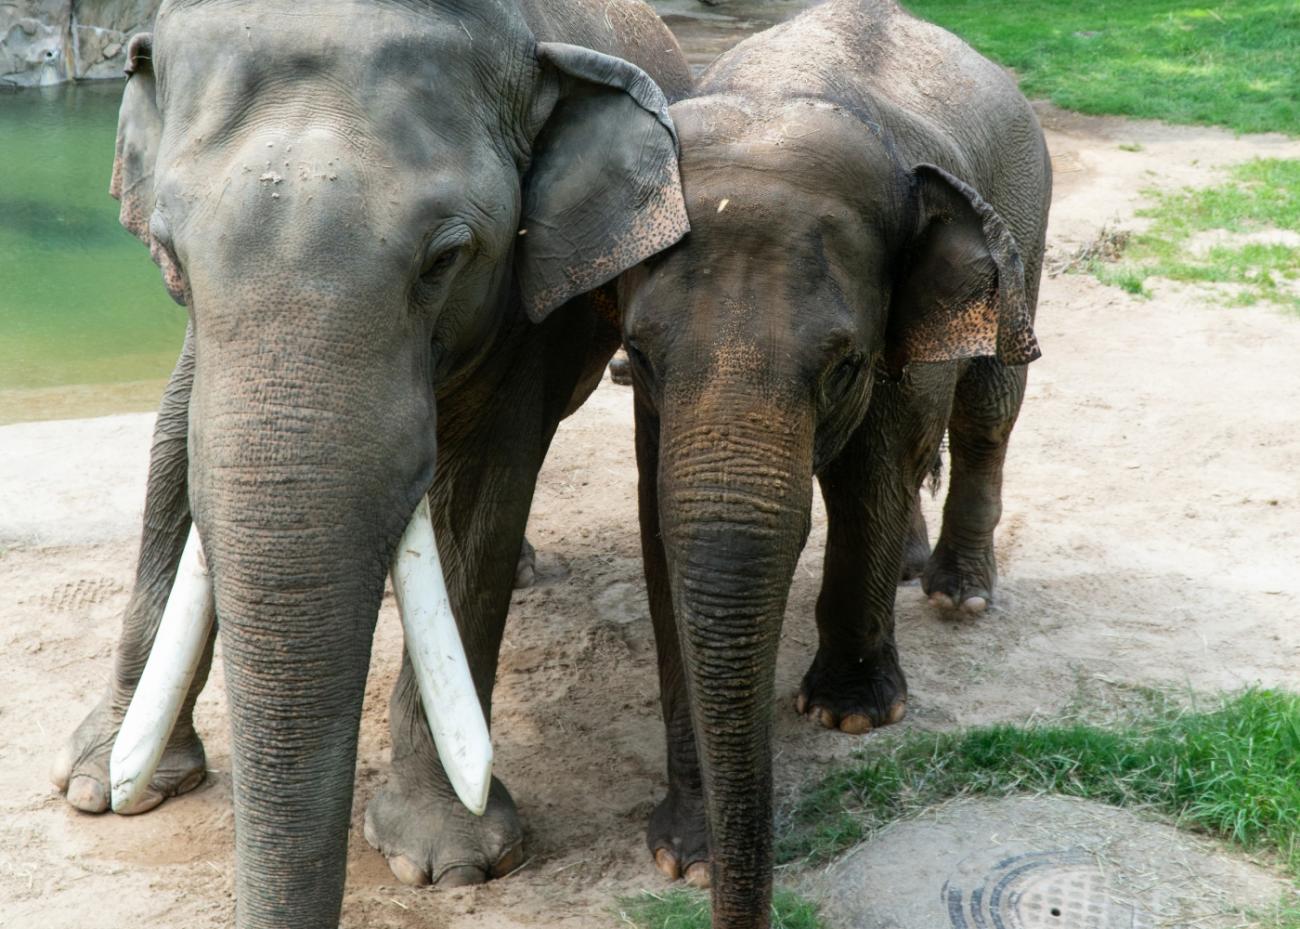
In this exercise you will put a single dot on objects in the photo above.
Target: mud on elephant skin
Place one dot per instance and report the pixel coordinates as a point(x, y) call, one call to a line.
point(868, 199)
point(389, 224)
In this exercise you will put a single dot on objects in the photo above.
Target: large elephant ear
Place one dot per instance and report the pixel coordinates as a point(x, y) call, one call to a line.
point(961, 293)
point(139, 130)
point(602, 192)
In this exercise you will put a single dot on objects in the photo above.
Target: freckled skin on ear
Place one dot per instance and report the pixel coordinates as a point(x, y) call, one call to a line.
point(868, 201)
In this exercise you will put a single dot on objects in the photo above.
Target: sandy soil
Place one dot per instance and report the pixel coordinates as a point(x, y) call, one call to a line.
point(1149, 537)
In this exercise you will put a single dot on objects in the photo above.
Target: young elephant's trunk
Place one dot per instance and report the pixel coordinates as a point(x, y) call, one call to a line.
point(735, 495)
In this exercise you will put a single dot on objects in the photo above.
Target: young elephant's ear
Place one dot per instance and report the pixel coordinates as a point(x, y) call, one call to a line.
point(139, 130)
point(961, 293)
point(603, 191)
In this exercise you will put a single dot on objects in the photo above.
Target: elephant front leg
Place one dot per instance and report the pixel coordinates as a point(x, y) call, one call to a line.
point(416, 820)
point(480, 501)
point(856, 682)
point(962, 571)
point(80, 770)
point(678, 835)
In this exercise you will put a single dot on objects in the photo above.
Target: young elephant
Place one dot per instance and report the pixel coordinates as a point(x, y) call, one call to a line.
point(868, 199)
point(393, 225)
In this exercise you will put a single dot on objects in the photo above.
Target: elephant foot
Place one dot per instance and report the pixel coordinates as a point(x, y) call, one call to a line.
point(80, 770)
point(854, 694)
point(961, 578)
point(678, 837)
point(526, 567)
point(431, 839)
point(620, 369)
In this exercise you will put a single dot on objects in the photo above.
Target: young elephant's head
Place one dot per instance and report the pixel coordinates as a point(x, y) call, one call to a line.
point(817, 263)
point(355, 200)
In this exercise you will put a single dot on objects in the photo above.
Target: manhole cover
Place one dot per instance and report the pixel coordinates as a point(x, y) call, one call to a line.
point(1036, 890)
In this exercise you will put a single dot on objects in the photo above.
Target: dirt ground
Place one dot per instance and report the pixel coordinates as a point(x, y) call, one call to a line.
point(1149, 537)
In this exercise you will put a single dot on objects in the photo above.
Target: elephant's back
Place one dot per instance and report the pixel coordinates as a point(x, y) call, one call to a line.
point(628, 29)
point(937, 98)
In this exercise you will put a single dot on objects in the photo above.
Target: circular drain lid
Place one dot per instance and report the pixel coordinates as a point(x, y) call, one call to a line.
point(1037, 890)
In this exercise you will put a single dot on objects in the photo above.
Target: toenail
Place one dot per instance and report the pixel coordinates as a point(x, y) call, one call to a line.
point(800, 704)
point(826, 718)
point(87, 794)
point(511, 860)
point(855, 724)
point(407, 871)
point(896, 712)
point(942, 601)
point(61, 768)
point(151, 799)
point(368, 830)
point(974, 605)
point(699, 874)
point(191, 782)
point(463, 875)
point(666, 863)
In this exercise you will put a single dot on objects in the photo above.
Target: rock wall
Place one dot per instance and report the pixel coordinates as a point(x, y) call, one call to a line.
point(51, 41)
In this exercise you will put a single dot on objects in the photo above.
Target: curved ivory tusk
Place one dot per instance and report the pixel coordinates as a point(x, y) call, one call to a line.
point(433, 643)
point(177, 650)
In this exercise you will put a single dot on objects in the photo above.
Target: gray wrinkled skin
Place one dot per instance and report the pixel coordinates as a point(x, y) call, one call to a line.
point(382, 217)
point(868, 200)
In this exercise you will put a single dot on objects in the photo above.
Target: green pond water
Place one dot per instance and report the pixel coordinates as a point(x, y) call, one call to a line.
point(85, 324)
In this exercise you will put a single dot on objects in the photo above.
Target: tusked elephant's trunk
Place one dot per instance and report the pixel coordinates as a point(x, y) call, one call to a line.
point(735, 492)
point(310, 448)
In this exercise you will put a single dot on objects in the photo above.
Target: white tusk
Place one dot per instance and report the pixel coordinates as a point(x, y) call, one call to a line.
point(438, 659)
point(177, 650)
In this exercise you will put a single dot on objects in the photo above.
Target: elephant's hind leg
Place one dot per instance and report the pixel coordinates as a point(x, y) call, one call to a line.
point(80, 770)
point(962, 571)
point(916, 546)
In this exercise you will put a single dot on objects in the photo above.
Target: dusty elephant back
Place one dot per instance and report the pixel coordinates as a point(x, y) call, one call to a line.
point(933, 97)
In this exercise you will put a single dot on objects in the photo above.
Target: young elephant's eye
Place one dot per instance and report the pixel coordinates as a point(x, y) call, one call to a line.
point(638, 357)
point(843, 377)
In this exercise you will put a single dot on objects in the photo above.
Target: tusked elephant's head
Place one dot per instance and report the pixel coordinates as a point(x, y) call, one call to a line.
point(817, 263)
point(354, 200)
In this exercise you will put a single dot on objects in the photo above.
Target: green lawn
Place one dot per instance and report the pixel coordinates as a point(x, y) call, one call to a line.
point(1234, 63)
point(1260, 196)
point(689, 909)
point(1231, 770)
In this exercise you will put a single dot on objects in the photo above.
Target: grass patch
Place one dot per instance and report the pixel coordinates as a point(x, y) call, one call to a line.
point(1233, 63)
point(689, 909)
point(1232, 771)
point(1259, 196)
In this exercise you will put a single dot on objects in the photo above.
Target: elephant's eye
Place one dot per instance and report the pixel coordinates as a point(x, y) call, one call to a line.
point(843, 377)
point(439, 262)
point(638, 357)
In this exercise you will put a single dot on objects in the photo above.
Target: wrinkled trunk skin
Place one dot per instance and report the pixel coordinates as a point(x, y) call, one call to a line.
point(735, 502)
point(310, 450)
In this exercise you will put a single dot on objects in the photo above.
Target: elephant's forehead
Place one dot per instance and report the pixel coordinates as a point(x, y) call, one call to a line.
point(783, 177)
point(805, 141)
point(369, 70)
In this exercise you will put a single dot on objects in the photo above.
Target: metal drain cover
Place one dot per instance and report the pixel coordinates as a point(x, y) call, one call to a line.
point(1038, 863)
point(1036, 890)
